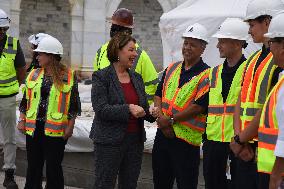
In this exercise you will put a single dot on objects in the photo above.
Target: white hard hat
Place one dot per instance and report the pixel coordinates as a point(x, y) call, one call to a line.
point(4, 19)
point(258, 8)
point(36, 38)
point(276, 27)
point(233, 28)
point(50, 45)
point(196, 31)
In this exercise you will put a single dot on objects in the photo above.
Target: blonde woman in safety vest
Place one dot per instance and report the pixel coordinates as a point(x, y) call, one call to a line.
point(47, 115)
point(260, 77)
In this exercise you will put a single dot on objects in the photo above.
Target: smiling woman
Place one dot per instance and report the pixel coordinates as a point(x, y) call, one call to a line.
point(120, 105)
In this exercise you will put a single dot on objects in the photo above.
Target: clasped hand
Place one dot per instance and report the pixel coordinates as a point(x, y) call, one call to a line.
point(136, 111)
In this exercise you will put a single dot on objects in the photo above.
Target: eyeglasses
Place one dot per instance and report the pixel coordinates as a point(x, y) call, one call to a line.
point(4, 29)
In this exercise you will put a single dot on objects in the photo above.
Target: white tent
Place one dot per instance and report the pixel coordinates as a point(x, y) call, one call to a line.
point(210, 13)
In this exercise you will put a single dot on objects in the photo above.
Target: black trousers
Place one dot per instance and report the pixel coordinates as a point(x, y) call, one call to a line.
point(40, 149)
point(263, 180)
point(174, 159)
point(245, 173)
point(215, 157)
point(123, 160)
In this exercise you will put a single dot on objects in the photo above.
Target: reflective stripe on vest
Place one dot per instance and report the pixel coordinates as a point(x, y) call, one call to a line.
point(256, 87)
point(268, 131)
point(175, 99)
point(8, 76)
point(139, 52)
point(220, 112)
point(58, 103)
point(10, 49)
point(229, 109)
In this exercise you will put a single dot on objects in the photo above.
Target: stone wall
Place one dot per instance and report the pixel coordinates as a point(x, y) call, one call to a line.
point(47, 16)
point(147, 14)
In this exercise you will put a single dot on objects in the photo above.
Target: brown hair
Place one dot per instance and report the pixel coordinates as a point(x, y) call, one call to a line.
point(119, 41)
point(57, 70)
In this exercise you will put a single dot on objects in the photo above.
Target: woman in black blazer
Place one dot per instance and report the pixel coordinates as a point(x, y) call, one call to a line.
point(120, 105)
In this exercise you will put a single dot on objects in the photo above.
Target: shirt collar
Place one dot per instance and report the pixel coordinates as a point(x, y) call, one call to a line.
point(195, 68)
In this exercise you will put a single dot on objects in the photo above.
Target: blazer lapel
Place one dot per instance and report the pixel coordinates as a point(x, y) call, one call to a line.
point(116, 83)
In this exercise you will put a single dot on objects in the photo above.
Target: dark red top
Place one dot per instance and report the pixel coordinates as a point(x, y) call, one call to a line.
point(131, 97)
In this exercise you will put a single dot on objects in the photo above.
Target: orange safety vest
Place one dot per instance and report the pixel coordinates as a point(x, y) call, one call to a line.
point(175, 99)
point(268, 131)
point(58, 103)
point(220, 114)
point(255, 87)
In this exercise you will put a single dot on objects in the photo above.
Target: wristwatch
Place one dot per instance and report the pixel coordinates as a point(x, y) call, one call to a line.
point(237, 140)
point(172, 121)
point(20, 120)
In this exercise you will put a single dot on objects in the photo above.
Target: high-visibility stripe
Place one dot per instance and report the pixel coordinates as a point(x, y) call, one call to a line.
point(10, 49)
point(221, 110)
point(153, 82)
point(193, 122)
point(170, 71)
point(54, 128)
point(63, 102)
point(139, 52)
point(249, 111)
point(165, 105)
point(36, 74)
point(55, 123)
point(30, 126)
point(203, 82)
point(265, 146)
point(271, 109)
point(249, 75)
point(267, 138)
point(266, 119)
point(214, 77)
point(264, 83)
point(8, 80)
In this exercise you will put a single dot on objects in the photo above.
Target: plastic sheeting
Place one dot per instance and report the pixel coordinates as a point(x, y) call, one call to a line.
point(209, 13)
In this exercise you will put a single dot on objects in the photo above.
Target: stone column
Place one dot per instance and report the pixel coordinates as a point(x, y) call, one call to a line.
point(77, 14)
point(94, 30)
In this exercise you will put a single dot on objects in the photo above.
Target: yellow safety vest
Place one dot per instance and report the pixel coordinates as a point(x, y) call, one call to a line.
point(142, 65)
point(8, 76)
point(268, 131)
point(58, 103)
point(175, 99)
point(255, 87)
point(220, 115)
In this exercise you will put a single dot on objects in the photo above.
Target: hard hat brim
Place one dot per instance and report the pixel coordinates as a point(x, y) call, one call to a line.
point(220, 36)
point(195, 37)
point(273, 35)
point(44, 51)
point(122, 24)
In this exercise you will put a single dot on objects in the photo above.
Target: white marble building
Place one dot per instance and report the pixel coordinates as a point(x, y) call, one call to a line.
point(83, 25)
